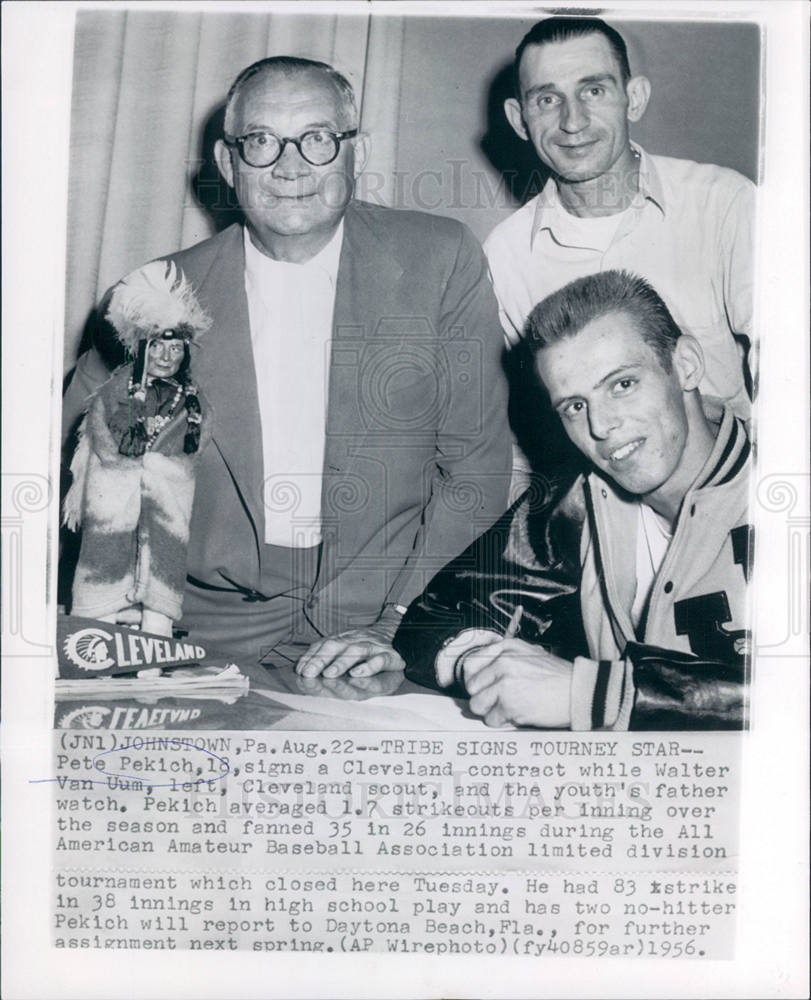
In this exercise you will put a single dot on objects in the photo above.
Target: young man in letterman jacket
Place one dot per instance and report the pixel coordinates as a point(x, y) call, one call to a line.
point(630, 571)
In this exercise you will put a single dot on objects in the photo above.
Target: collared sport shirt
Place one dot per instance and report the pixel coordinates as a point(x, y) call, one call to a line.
point(291, 309)
point(688, 231)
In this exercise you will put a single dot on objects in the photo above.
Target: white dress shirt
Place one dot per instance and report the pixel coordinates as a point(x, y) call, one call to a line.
point(291, 310)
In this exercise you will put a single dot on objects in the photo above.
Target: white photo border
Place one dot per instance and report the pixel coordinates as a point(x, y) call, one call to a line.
point(772, 941)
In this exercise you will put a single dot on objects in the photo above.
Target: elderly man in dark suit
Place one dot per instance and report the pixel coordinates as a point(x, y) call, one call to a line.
point(360, 435)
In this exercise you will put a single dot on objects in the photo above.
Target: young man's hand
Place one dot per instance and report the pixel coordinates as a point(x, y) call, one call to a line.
point(513, 681)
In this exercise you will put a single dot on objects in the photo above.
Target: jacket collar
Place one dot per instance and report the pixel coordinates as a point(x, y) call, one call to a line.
point(226, 370)
point(372, 258)
point(729, 455)
point(368, 270)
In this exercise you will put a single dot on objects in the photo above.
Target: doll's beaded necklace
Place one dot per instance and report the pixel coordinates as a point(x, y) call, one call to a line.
point(154, 425)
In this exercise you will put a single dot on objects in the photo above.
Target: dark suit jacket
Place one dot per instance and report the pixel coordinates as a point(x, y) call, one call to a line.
point(418, 448)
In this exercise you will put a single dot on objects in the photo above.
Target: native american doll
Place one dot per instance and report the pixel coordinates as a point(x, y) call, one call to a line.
point(134, 466)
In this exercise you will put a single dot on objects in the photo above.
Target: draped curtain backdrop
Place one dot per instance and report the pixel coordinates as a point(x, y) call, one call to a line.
point(149, 88)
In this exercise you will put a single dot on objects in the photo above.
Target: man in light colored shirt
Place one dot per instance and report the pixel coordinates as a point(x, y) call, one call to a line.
point(685, 226)
point(353, 366)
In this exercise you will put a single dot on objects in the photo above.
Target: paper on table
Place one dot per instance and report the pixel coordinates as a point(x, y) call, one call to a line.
point(402, 711)
point(195, 681)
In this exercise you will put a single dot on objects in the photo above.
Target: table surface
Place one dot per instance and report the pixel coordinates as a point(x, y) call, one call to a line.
point(276, 699)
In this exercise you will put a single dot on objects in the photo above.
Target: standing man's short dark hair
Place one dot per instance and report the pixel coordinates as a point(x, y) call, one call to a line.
point(561, 29)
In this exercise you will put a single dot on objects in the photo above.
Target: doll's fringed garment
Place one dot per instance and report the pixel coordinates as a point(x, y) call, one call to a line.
point(134, 511)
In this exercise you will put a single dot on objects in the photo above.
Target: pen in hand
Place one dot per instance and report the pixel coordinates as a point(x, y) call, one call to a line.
point(460, 665)
point(514, 622)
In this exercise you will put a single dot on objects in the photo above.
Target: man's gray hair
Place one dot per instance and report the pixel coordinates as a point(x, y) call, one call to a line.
point(290, 65)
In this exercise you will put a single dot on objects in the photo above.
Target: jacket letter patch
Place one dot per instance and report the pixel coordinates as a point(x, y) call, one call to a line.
point(743, 548)
point(702, 620)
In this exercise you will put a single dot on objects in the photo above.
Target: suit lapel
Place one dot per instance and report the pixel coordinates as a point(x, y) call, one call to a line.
point(227, 373)
point(368, 275)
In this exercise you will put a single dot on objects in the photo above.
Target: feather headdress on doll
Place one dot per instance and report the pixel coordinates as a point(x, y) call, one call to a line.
point(155, 301)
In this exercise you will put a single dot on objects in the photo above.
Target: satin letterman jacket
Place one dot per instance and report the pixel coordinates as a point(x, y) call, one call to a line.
point(565, 552)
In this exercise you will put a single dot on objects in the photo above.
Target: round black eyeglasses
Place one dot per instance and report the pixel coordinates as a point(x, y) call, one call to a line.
point(319, 146)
